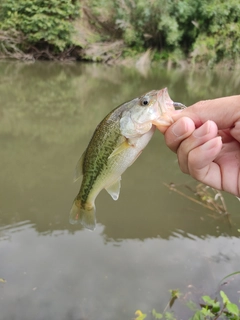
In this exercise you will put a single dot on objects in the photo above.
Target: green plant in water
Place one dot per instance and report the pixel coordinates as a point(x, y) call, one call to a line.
point(211, 309)
point(175, 294)
point(140, 315)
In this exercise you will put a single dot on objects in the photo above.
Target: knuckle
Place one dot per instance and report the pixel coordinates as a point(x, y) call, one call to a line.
point(182, 162)
point(193, 165)
point(171, 142)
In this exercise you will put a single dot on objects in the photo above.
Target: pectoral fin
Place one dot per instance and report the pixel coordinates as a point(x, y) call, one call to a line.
point(114, 189)
point(79, 167)
point(123, 146)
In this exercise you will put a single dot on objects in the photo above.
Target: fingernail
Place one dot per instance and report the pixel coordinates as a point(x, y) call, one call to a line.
point(203, 130)
point(211, 143)
point(179, 129)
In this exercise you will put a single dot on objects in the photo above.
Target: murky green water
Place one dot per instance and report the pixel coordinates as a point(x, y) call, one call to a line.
point(149, 241)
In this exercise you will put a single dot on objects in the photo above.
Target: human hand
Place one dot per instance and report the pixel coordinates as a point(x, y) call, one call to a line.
point(206, 138)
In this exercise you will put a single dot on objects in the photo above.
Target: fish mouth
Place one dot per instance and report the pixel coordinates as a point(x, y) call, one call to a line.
point(164, 101)
point(163, 108)
point(162, 104)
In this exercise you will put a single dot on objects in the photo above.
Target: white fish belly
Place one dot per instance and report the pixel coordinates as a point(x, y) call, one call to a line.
point(119, 163)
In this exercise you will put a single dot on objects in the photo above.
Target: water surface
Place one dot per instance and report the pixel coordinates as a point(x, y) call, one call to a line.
point(149, 241)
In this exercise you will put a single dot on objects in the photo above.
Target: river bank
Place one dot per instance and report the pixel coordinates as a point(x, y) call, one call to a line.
point(180, 34)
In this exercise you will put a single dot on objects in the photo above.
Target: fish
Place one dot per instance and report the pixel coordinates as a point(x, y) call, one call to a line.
point(117, 142)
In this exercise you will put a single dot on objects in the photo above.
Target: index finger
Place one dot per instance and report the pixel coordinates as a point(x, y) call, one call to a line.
point(225, 112)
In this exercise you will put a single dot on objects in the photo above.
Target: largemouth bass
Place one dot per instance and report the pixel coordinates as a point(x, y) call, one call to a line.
point(116, 143)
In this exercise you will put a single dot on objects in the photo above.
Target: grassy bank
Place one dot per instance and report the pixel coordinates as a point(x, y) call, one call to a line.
point(196, 31)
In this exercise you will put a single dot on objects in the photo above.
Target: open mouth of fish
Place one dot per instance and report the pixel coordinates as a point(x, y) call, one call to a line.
point(163, 108)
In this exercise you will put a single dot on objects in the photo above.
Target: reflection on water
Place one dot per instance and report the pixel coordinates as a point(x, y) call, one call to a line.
point(149, 241)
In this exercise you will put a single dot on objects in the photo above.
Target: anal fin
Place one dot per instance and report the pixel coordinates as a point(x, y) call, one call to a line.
point(114, 189)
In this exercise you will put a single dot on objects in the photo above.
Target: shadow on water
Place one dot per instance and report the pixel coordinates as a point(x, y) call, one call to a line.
point(48, 112)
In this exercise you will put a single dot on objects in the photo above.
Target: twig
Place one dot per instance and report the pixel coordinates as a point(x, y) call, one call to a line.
point(188, 197)
point(221, 312)
point(201, 191)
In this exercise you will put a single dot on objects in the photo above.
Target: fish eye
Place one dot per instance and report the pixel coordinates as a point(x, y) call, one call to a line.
point(144, 101)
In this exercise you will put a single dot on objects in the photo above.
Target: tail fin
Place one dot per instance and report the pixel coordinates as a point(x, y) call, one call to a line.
point(84, 216)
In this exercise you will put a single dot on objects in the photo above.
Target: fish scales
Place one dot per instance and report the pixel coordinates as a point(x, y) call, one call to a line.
point(99, 149)
point(116, 143)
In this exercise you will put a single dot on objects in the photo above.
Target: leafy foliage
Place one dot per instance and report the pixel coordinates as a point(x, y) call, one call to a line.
point(219, 26)
point(207, 30)
point(41, 21)
point(140, 315)
point(210, 309)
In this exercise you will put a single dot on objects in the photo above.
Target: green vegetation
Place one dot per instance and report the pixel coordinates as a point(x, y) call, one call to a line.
point(44, 24)
point(219, 31)
point(209, 309)
point(204, 31)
